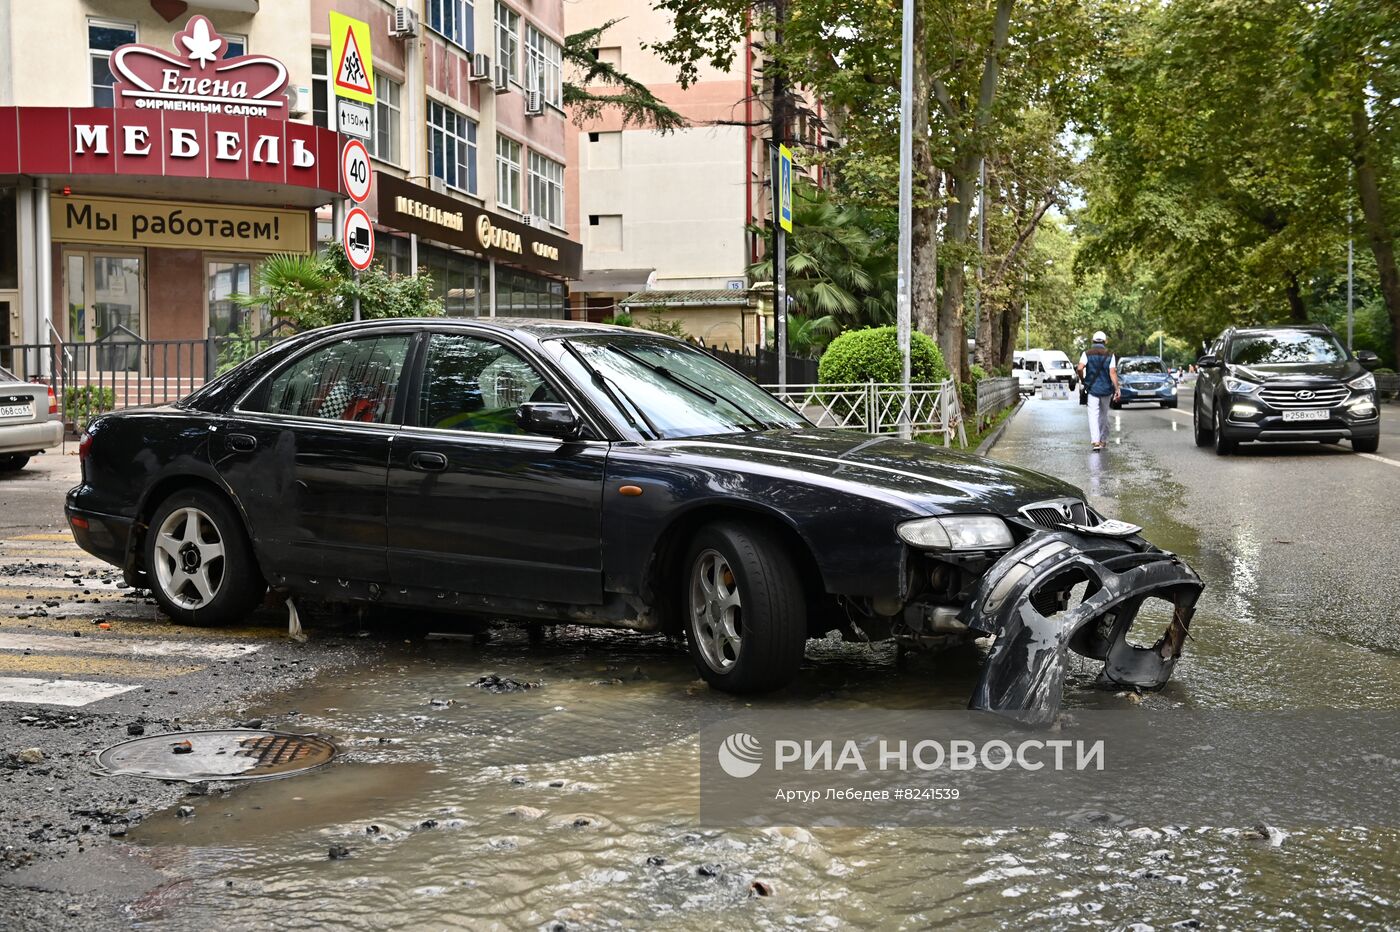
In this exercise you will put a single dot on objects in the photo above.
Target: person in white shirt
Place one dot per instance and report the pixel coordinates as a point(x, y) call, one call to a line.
point(1099, 370)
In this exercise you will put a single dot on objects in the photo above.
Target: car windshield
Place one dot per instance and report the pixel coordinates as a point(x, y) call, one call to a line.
point(1057, 363)
point(1284, 346)
point(666, 389)
point(1131, 365)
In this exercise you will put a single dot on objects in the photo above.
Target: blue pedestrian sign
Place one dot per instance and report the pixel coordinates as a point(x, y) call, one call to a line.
point(785, 188)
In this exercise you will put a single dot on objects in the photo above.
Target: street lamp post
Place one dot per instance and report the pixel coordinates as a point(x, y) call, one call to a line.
point(903, 307)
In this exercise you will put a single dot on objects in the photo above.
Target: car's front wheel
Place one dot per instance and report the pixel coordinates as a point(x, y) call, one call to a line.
point(746, 617)
point(1204, 435)
point(1169, 404)
point(14, 462)
point(1366, 444)
point(1224, 446)
point(199, 560)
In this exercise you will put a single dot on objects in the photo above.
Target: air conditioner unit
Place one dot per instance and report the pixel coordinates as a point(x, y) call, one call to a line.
point(437, 184)
point(300, 101)
point(502, 80)
point(534, 103)
point(481, 67)
point(403, 23)
point(530, 220)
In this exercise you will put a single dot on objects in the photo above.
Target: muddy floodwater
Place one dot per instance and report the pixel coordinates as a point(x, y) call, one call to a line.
point(576, 802)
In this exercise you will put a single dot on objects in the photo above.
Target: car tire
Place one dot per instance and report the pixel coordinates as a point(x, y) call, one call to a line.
point(744, 609)
point(13, 463)
point(1205, 436)
point(1224, 446)
point(1169, 404)
point(201, 573)
point(1365, 444)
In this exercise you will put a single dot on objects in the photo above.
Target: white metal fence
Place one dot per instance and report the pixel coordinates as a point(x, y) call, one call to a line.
point(995, 395)
point(875, 408)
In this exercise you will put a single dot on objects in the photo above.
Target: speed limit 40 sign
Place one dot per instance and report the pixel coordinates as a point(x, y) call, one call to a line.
point(355, 173)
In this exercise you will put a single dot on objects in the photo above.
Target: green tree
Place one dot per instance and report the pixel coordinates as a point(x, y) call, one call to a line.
point(595, 86)
point(315, 290)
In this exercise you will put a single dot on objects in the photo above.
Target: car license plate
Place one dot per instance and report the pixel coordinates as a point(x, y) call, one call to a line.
point(1312, 414)
point(17, 410)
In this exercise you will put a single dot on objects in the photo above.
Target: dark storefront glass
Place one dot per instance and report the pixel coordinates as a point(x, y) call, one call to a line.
point(9, 241)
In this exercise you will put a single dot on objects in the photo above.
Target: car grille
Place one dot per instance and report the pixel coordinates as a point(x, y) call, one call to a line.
point(1288, 398)
point(1058, 512)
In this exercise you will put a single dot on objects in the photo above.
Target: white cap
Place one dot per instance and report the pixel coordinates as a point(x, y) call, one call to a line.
point(1100, 336)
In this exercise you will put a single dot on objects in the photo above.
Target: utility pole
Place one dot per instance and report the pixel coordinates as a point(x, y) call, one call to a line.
point(1351, 314)
point(778, 130)
point(982, 351)
point(906, 209)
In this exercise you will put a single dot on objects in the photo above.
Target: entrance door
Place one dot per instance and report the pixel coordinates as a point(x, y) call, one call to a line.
point(105, 295)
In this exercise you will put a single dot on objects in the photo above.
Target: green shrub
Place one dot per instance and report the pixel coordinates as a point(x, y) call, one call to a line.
point(872, 355)
point(82, 404)
point(620, 319)
point(978, 373)
point(1385, 370)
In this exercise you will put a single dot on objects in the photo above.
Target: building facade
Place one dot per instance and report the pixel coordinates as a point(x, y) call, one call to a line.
point(153, 153)
point(667, 214)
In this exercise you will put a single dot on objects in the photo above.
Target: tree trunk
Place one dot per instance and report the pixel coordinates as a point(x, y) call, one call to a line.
point(1297, 310)
point(1011, 331)
point(1377, 229)
point(952, 334)
point(923, 281)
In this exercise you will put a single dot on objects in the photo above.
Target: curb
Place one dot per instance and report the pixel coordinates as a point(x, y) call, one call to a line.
point(990, 440)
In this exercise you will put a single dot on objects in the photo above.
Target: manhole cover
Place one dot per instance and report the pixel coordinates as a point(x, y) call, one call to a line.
point(229, 754)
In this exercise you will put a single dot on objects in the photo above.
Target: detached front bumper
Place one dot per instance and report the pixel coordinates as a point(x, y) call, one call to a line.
point(1028, 601)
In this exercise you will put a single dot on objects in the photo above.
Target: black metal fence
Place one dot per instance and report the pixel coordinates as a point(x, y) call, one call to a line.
point(123, 370)
point(762, 365)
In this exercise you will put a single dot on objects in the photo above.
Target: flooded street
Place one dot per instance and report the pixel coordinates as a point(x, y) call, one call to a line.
point(574, 803)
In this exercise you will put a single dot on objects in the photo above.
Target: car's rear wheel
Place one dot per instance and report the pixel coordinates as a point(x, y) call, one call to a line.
point(1366, 444)
point(1204, 435)
point(199, 560)
point(13, 462)
point(1224, 446)
point(745, 609)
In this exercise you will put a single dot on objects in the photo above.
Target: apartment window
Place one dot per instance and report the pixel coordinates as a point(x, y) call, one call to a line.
point(453, 18)
point(321, 87)
point(387, 112)
point(547, 189)
point(237, 45)
point(544, 68)
point(507, 39)
point(451, 147)
point(104, 36)
point(508, 173)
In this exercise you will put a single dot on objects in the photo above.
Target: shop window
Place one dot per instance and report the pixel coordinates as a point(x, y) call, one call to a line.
point(9, 243)
point(453, 19)
point(451, 147)
point(387, 114)
point(321, 87)
point(227, 316)
point(508, 39)
point(353, 380)
point(547, 189)
point(544, 69)
point(103, 37)
point(508, 173)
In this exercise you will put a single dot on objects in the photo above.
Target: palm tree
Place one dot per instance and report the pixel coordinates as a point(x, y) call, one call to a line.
point(808, 336)
point(293, 287)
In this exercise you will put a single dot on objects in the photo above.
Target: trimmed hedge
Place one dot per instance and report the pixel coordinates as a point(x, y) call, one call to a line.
point(872, 355)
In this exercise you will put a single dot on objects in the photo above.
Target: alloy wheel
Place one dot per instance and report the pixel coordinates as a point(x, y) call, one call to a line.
point(189, 561)
point(716, 616)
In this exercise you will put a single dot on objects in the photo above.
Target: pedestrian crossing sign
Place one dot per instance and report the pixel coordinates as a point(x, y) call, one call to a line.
point(785, 188)
point(352, 58)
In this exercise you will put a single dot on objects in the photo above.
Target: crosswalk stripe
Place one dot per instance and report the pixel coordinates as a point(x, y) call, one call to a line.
point(126, 646)
point(71, 693)
point(148, 625)
point(85, 664)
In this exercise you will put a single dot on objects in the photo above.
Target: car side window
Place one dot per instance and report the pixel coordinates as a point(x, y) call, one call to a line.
point(473, 384)
point(350, 380)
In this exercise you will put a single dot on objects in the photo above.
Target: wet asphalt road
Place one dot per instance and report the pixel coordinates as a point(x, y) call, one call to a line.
point(544, 807)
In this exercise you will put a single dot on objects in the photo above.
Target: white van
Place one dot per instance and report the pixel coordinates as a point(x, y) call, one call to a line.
point(1050, 366)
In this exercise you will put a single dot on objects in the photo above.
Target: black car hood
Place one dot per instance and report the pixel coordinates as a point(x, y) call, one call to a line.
point(923, 473)
point(1299, 372)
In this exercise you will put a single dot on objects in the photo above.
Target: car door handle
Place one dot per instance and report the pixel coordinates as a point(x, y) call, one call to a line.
point(242, 443)
point(427, 462)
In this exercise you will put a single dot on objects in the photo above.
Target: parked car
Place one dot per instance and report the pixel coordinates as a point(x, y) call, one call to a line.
point(1024, 375)
point(1285, 384)
point(583, 474)
point(29, 420)
point(1054, 366)
point(1143, 379)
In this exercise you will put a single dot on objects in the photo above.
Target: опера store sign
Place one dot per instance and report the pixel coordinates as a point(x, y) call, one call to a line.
point(189, 115)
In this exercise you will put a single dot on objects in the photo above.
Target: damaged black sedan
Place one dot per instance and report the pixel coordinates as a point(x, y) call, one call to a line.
point(572, 473)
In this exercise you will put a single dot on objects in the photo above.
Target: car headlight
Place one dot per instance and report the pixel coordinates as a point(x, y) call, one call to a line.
point(957, 532)
point(1238, 386)
point(1364, 383)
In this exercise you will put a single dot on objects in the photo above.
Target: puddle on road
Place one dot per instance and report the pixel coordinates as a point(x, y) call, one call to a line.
point(454, 821)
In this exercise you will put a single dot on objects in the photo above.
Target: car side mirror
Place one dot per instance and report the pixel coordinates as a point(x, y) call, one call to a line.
point(1368, 359)
point(550, 419)
point(1207, 362)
